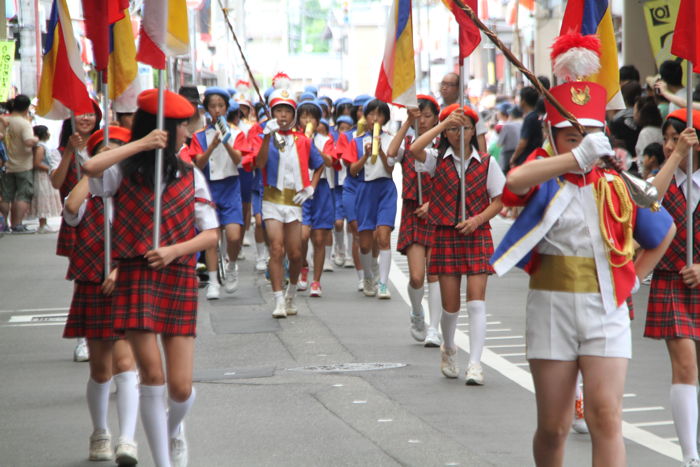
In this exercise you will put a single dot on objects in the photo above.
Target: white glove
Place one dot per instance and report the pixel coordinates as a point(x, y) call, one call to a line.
point(271, 126)
point(592, 147)
point(303, 195)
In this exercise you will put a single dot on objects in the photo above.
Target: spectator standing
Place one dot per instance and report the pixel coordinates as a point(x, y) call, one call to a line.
point(531, 129)
point(46, 201)
point(672, 74)
point(647, 117)
point(509, 136)
point(18, 186)
point(449, 94)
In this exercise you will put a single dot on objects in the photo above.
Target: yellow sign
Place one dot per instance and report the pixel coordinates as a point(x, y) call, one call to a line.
point(660, 16)
point(7, 59)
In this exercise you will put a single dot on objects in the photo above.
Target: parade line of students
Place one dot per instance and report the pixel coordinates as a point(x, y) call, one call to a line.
point(317, 177)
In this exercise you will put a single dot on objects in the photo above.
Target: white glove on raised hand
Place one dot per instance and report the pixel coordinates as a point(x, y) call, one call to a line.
point(303, 195)
point(592, 147)
point(271, 126)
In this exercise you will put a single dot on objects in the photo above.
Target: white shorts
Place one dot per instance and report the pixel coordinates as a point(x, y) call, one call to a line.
point(280, 212)
point(565, 326)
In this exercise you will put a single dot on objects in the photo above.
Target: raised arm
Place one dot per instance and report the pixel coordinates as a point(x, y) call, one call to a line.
point(97, 164)
point(395, 145)
point(687, 139)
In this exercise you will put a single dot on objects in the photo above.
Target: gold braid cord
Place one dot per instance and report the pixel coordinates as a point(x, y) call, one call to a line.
point(604, 199)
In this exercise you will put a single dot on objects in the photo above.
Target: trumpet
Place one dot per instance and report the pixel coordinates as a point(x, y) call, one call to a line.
point(643, 193)
point(361, 126)
point(309, 130)
point(375, 141)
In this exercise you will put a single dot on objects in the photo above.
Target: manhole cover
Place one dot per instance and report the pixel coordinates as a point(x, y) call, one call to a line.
point(347, 367)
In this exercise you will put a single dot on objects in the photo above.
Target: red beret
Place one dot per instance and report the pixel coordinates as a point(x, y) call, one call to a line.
point(115, 132)
point(176, 106)
point(429, 98)
point(468, 111)
point(682, 115)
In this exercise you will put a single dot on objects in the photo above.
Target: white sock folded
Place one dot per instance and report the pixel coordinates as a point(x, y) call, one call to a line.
point(434, 304)
point(384, 265)
point(360, 273)
point(98, 400)
point(684, 408)
point(127, 403)
point(448, 321)
point(366, 260)
point(416, 297)
point(177, 412)
point(279, 297)
point(477, 329)
point(155, 422)
point(291, 291)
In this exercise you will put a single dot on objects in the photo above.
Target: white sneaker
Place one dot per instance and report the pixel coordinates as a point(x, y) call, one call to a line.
point(349, 263)
point(303, 282)
point(246, 242)
point(290, 307)
point(448, 366)
point(339, 259)
point(418, 326)
point(81, 353)
point(280, 310)
point(213, 290)
point(579, 424)
point(241, 256)
point(689, 463)
point(327, 266)
point(383, 292)
point(368, 288)
point(315, 290)
point(361, 285)
point(126, 452)
point(432, 338)
point(474, 375)
point(231, 283)
point(101, 446)
point(178, 449)
point(261, 265)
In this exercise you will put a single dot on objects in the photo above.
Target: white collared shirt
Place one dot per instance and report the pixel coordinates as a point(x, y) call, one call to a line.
point(220, 163)
point(695, 192)
point(495, 180)
point(377, 170)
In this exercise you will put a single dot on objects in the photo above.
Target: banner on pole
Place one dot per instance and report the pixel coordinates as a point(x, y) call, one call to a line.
point(660, 17)
point(7, 60)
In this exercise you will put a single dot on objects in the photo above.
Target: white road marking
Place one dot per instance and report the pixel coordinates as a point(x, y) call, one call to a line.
point(643, 409)
point(658, 423)
point(504, 337)
point(517, 354)
point(515, 373)
point(34, 310)
point(503, 346)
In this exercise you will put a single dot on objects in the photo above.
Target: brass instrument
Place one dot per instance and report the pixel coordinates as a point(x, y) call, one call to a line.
point(309, 131)
point(361, 124)
point(643, 193)
point(377, 130)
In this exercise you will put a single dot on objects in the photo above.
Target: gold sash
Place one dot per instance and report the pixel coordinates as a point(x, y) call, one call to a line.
point(273, 195)
point(565, 274)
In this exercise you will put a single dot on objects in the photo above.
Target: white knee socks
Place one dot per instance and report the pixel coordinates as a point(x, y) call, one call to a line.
point(213, 277)
point(416, 296)
point(260, 250)
point(477, 329)
point(435, 304)
point(448, 321)
point(328, 254)
point(291, 291)
point(155, 422)
point(278, 296)
point(97, 399)
point(366, 260)
point(360, 273)
point(339, 241)
point(177, 412)
point(384, 265)
point(350, 242)
point(684, 408)
point(127, 403)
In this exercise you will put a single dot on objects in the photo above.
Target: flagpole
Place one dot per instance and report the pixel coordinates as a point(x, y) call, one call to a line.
point(689, 168)
point(158, 182)
point(107, 201)
point(420, 175)
point(462, 187)
point(74, 129)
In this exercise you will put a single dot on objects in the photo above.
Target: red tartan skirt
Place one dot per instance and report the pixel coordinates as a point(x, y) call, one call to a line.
point(674, 309)
point(66, 239)
point(90, 314)
point(164, 302)
point(413, 229)
point(455, 254)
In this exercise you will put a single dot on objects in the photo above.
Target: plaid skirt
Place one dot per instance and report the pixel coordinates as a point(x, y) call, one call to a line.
point(413, 229)
point(674, 309)
point(455, 254)
point(164, 302)
point(90, 314)
point(66, 239)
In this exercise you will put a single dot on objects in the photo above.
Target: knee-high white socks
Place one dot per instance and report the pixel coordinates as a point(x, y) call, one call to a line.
point(384, 265)
point(684, 408)
point(328, 254)
point(155, 422)
point(448, 321)
point(366, 260)
point(177, 412)
point(127, 403)
point(260, 250)
point(339, 241)
point(477, 329)
point(434, 304)
point(350, 243)
point(97, 395)
point(416, 297)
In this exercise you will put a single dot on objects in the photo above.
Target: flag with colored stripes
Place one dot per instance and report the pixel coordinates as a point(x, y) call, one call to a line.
point(686, 35)
point(123, 69)
point(62, 88)
point(99, 15)
point(164, 32)
point(397, 75)
point(594, 17)
point(469, 35)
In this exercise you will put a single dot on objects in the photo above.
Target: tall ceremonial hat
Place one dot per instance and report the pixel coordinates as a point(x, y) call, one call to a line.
point(573, 57)
point(281, 94)
point(118, 133)
point(176, 106)
point(243, 87)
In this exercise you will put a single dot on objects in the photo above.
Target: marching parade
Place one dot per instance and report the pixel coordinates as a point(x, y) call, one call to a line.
point(206, 224)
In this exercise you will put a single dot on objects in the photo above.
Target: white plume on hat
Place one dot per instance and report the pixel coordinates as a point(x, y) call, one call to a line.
point(281, 81)
point(575, 56)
